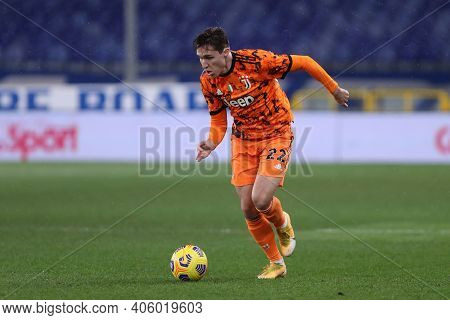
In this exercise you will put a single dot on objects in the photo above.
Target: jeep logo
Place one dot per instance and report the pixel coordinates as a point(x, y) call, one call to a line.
point(241, 102)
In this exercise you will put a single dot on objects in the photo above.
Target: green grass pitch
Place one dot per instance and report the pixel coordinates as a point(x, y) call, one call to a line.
point(48, 210)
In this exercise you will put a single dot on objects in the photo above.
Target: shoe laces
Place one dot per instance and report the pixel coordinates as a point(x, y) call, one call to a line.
point(284, 236)
point(267, 267)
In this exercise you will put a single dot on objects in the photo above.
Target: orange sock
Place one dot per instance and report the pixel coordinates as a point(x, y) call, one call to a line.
point(274, 213)
point(263, 234)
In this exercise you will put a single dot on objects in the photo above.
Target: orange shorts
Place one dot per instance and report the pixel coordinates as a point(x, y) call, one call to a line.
point(268, 158)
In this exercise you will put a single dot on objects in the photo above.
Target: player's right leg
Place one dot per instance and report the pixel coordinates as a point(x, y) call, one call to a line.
point(273, 164)
point(258, 225)
point(261, 230)
point(245, 164)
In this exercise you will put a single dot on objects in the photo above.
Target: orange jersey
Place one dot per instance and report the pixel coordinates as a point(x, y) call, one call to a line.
point(251, 91)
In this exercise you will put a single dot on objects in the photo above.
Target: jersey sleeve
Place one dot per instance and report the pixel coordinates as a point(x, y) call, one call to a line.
point(218, 127)
point(214, 104)
point(274, 66)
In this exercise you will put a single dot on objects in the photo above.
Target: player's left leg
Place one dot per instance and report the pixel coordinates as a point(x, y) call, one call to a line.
point(274, 160)
point(270, 206)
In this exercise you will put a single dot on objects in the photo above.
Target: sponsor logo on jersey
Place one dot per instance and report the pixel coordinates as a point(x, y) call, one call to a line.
point(241, 102)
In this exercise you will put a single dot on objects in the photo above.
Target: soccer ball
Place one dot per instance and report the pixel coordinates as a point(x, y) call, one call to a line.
point(188, 263)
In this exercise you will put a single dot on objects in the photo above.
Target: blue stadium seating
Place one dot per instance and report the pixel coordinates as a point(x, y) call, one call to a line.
point(329, 30)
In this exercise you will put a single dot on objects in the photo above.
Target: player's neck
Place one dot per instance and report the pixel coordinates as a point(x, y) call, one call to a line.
point(228, 63)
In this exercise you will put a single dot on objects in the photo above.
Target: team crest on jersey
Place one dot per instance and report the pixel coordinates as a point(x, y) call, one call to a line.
point(244, 79)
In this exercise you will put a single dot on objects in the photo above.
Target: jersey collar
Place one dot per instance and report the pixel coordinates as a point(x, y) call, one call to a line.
point(233, 61)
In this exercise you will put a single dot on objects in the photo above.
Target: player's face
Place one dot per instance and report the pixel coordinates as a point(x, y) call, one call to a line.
point(213, 61)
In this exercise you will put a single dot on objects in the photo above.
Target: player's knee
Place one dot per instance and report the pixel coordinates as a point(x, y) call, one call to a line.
point(261, 201)
point(247, 207)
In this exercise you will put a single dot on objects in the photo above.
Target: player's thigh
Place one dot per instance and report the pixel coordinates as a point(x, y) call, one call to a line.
point(244, 163)
point(264, 190)
point(273, 163)
point(274, 157)
point(244, 192)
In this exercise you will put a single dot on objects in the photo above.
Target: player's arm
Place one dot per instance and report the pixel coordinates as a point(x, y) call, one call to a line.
point(278, 66)
point(317, 72)
point(218, 123)
point(217, 130)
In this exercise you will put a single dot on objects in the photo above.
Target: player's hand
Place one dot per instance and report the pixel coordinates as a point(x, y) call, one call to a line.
point(204, 149)
point(341, 96)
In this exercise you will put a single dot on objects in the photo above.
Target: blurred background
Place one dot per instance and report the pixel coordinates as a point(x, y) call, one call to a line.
point(101, 111)
point(79, 80)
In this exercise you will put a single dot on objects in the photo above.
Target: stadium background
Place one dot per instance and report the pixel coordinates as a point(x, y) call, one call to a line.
point(88, 89)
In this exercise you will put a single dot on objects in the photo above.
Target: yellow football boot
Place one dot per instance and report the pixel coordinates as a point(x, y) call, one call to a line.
point(286, 237)
point(273, 271)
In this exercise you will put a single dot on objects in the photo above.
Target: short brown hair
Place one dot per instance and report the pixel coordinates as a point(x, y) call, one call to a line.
point(214, 37)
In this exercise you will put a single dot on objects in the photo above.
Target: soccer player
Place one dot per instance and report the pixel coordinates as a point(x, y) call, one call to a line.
point(245, 81)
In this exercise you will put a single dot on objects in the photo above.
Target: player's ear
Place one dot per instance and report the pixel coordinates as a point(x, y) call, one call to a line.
point(226, 51)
